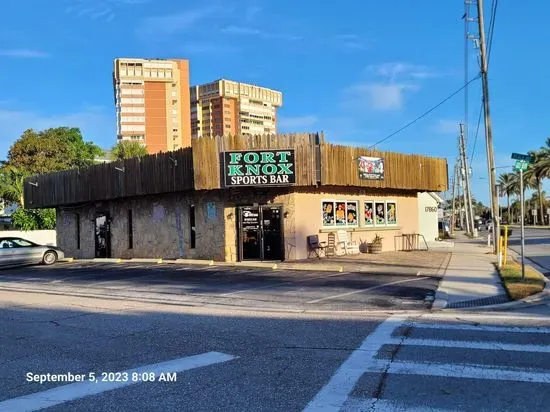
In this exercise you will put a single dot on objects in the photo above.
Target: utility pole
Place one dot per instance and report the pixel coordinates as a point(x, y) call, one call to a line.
point(522, 195)
point(488, 129)
point(467, 192)
point(453, 216)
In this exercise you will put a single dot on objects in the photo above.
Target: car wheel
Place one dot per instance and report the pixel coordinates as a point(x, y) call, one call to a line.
point(49, 258)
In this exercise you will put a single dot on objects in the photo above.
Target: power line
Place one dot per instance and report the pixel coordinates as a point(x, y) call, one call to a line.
point(426, 113)
point(494, 6)
point(477, 133)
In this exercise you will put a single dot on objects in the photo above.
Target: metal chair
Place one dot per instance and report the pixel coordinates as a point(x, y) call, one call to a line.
point(314, 246)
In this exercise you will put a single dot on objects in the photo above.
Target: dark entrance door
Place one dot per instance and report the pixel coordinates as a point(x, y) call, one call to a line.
point(271, 230)
point(102, 235)
point(260, 233)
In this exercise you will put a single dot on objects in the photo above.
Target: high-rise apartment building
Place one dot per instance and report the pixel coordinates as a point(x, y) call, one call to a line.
point(227, 107)
point(152, 102)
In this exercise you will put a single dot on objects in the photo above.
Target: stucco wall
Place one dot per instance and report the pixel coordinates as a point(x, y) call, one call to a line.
point(309, 216)
point(42, 237)
point(427, 216)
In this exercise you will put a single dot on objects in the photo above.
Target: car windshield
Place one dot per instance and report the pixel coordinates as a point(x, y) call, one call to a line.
point(22, 243)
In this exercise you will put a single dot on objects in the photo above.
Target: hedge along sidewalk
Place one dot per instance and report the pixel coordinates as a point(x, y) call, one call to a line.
point(516, 287)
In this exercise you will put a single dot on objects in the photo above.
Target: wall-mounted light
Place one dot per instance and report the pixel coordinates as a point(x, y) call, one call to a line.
point(120, 169)
point(285, 214)
point(33, 184)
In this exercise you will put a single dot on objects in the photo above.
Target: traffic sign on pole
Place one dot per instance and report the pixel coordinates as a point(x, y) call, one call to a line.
point(521, 165)
point(519, 156)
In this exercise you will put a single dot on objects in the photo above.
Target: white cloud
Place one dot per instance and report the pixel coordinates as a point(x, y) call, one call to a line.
point(240, 30)
point(298, 122)
point(379, 96)
point(393, 71)
point(348, 36)
point(250, 31)
point(174, 23)
point(447, 126)
point(24, 53)
point(251, 12)
point(99, 9)
point(95, 123)
point(207, 47)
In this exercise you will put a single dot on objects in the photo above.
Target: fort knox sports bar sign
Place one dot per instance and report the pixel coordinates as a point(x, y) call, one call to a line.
point(259, 168)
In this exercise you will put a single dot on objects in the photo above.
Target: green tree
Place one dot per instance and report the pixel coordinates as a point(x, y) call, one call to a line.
point(507, 186)
point(11, 184)
point(33, 219)
point(127, 149)
point(536, 173)
point(51, 150)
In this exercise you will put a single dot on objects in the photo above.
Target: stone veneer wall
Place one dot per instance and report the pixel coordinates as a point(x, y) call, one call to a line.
point(161, 225)
point(67, 232)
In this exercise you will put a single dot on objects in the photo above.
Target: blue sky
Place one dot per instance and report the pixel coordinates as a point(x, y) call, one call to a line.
point(357, 70)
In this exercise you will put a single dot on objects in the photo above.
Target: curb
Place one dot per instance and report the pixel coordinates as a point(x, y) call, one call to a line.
point(205, 262)
point(532, 300)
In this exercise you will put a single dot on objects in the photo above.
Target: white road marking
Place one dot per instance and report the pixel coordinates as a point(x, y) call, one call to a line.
point(341, 295)
point(301, 279)
point(335, 393)
point(473, 345)
point(483, 328)
point(457, 371)
point(66, 393)
point(384, 405)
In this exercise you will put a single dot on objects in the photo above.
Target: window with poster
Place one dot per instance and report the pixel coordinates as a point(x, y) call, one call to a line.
point(368, 211)
point(340, 213)
point(380, 213)
point(391, 212)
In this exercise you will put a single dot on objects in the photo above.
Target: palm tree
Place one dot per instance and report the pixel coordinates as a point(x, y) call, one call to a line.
point(536, 173)
point(11, 184)
point(507, 186)
point(127, 149)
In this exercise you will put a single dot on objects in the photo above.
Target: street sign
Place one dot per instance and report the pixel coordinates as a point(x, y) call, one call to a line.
point(519, 156)
point(521, 165)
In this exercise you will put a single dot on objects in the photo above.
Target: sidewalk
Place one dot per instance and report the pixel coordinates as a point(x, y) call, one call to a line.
point(470, 278)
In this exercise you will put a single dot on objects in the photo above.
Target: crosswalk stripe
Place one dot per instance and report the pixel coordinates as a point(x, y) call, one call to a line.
point(471, 345)
point(457, 371)
point(482, 328)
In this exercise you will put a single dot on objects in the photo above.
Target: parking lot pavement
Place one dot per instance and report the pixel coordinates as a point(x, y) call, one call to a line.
point(222, 360)
point(218, 286)
point(445, 362)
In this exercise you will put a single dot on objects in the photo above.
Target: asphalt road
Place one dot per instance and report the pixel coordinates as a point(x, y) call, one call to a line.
point(224, 287)
point(537, 245)
point(227, 360)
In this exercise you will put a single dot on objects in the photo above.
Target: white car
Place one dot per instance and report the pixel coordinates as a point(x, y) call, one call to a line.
point(17, 251)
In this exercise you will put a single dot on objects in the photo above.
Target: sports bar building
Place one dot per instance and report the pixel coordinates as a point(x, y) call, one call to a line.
point(236, 198)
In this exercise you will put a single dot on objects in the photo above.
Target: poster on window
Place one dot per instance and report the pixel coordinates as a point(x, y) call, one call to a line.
point(380, 213)
point(371, 168)
point(340, 213)
point(391, 213)
point(369, 213)
point(352, 213)
point(328, 213)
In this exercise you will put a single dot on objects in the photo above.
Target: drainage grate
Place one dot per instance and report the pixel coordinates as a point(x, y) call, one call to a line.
point(493, 300)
